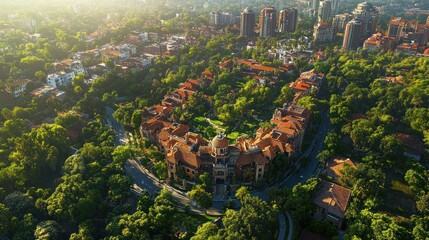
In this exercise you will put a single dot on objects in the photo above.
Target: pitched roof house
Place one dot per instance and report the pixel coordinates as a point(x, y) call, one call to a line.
point(331, 201)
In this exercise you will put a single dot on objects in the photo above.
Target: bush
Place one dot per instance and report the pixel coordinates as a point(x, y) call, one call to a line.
point(230, 204)
point(323, 227)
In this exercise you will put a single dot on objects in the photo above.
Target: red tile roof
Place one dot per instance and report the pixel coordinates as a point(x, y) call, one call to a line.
point(225, 63)
point(332, 197)
point(207, 73)
point(256, 66)
point(155, 123)
point(336, 164)
point(159, 109)
point(180, 152)
point(302, 86)
point(248, 158)
point(184, 93)
point(189, 86)
point(411, 143)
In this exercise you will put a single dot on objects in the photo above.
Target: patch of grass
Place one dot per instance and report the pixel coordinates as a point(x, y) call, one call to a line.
point(200, 121)
point(398, 200)
point(209, 217)
point(190, 222)
point(251, 125)
point(399, 186)
point(217, 122)
point(233, 136)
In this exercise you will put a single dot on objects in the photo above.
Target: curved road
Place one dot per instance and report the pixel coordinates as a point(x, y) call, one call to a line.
point(145, 180)
point(142, 178)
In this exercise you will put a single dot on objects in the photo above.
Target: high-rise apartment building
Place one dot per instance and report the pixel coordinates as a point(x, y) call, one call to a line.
point(361, 27)
point(323, 32)
point(267, 22)
point(314, 5)
point(325, 11)
point(221, 18)
point(247, 23)
point(353, 34)
point(368, 16)
point(334, 6)
point(340, 21)
point(288, 19)
point(408, 31)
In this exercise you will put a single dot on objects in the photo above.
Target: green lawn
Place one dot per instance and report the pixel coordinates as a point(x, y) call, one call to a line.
point(247, 127)
point(190, 222)
point(200, 120)
point(233, 136)
point(217, 122)
point(402, 187)
point(206, 130)
point(398, 199)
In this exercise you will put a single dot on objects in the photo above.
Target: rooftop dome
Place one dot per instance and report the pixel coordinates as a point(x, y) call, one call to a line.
point(220, 141)
point(247, 10)
point(365, 5)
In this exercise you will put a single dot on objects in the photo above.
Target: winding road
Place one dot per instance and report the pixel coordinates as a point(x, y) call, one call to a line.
point(143, 179)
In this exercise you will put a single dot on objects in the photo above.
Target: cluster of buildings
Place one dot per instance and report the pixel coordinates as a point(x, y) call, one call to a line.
point(357, 26)
point(405, 36)
point(131, 54)
point(188, 154)
point(221, 18)
point(323, 8)
point(269, 24)
point(17, 87)
point(308, 83)
point(323, 30)
point(362, 26)
point(253, 69)
point(330, 198)
point(19, 20)
point(64, 73)
point(290, 50)
point(208, 31)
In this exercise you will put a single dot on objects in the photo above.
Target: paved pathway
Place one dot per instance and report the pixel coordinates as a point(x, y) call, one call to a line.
point(215, 125)
point(290, 221)
point(282, 226)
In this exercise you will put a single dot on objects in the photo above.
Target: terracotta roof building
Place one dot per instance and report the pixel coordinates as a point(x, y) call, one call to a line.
point(414, 147)
point(188, 155)
point(290, 124)
point(408, 48)
point(331, 201)
point(253, 66)
point(408, 30)
point(336, 165)
point(378, 42)
point(150, 128)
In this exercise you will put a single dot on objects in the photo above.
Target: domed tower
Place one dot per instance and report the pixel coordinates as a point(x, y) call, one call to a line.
point(367, 14)
point(220, 148)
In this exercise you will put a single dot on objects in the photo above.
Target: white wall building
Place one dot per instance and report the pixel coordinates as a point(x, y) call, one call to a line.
point(65, 76)
point(18, 87)
point(60, 79)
